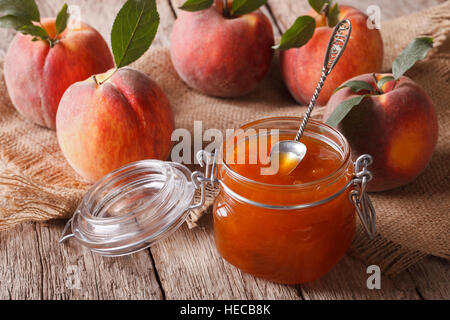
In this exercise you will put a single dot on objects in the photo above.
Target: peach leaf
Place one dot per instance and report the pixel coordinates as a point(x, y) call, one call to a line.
point(196, 5)
point(343, 109)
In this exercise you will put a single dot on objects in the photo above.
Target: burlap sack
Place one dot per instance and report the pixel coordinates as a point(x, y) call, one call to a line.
point(37, 184)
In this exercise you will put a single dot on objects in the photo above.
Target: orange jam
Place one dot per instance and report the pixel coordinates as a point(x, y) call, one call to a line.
point(282, 227)
point(320, 161)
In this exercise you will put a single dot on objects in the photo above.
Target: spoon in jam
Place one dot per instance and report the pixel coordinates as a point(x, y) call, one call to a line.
point(290, 153)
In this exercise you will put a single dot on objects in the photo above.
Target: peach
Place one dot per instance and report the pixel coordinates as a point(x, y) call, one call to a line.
point(301, 67)
point(37, 76)
point(113, 119)
point(219, 56)
point(398, 128)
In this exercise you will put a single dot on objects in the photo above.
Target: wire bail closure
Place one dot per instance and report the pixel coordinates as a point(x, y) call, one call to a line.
point(359, 196)
point(207, 160)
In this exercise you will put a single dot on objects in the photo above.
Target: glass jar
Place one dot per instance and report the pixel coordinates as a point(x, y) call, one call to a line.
point(284, 233)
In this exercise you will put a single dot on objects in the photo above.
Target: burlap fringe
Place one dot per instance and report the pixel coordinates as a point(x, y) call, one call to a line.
point(391, 257)
point(29, 207)
point(25, 199)
point(34, 203)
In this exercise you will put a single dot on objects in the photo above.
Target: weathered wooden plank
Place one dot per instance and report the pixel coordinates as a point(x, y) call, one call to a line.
point(20, 267)
point(189, 267)
point(33, 265)
point(129, 277)
point(348, 281)
point(189, 257)
point(68, 271)
point(38, 267)
point(432, 278)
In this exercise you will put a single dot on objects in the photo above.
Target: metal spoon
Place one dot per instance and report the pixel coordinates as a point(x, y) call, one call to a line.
point(290, 153)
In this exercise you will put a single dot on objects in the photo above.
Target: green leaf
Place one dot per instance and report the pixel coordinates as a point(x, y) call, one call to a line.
point(62, 19)
point(26, 9)
point(356, 86)
point(343, 109)
point(13, 22)
point(241, 7)
point(298, 34)
point(415, 51)
point(196, 5)
point(35, 31)
point(333, 15)
point(133, 30)
point(317, 5)
point(383, 80)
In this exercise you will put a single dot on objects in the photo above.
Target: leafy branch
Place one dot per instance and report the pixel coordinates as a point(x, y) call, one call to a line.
point(24, 16)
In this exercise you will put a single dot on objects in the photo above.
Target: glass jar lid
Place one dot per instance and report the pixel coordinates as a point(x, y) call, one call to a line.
point(132, 207)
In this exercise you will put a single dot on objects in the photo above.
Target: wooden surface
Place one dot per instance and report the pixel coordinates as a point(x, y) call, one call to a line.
point(186, 266)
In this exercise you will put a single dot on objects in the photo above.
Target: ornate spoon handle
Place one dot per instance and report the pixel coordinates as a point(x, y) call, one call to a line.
point(336, 46)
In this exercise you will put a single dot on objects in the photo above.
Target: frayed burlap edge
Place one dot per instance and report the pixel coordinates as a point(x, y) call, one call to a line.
point(391, 257)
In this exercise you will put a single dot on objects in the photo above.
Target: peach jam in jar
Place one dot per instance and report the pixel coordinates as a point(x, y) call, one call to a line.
point(284, 228)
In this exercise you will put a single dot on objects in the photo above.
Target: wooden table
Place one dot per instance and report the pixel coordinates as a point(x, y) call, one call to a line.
point(186, 266)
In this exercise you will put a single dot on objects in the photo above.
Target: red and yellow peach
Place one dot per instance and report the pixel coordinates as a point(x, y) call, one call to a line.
point(301, 67)
point(398, 128)
point(37, 75)
point(113, 119)
point(219, 56)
